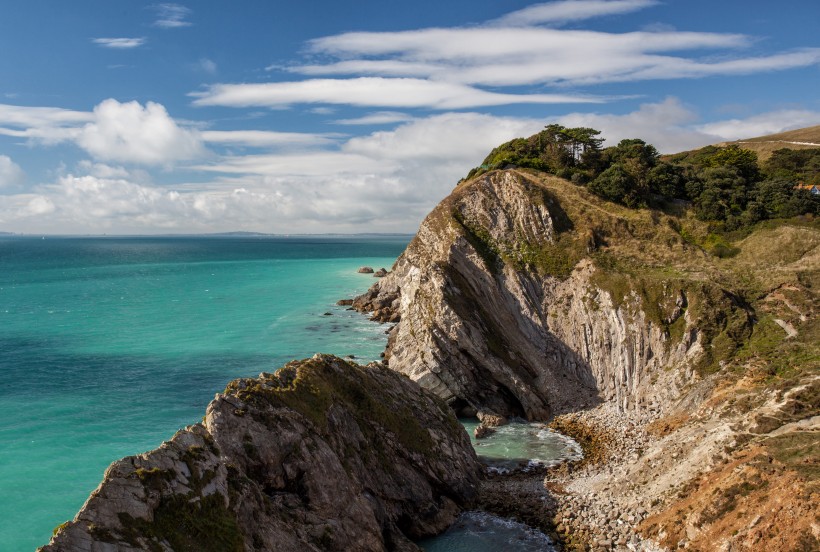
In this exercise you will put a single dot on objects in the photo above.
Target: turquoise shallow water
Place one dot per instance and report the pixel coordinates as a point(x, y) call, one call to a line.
point(521, 445)
point(513, 446)
point(483, 532)
point(109, 345)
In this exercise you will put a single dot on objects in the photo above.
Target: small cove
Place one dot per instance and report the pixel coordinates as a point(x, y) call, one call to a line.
point(517, 445)
point(520, 445)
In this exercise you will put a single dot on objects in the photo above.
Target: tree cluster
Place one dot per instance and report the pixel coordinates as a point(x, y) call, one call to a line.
point(726, 186)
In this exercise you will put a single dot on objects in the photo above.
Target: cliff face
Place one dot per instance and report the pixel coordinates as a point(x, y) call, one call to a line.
point(321, 455)
point(697, 375)
point(511, 302)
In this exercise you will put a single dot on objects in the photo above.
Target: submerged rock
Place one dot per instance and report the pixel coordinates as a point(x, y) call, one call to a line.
point(365, 270)
point(344, 302)
point(321, 455)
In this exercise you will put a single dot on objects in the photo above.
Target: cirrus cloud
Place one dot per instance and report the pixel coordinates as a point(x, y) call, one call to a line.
point(571, 10)
point(119, 43)
point(172, 16)
point(371, 91)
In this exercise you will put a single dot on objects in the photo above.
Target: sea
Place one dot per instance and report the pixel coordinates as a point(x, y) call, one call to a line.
point(109, 345)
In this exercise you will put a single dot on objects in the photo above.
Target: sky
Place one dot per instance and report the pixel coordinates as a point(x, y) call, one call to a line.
point(129, 117)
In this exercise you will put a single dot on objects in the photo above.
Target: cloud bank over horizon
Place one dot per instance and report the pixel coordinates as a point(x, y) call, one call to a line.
point(385, 181)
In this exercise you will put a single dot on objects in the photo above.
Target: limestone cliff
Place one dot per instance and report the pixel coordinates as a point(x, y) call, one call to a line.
point(321, 455)
point(515, 298)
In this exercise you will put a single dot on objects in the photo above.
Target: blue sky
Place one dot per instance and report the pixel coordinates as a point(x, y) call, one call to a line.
point(126, 117)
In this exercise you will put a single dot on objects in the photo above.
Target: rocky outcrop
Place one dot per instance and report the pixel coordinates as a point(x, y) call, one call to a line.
point(321, 455)
point(511, 302)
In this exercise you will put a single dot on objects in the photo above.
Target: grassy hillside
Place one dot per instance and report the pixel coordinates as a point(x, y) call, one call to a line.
point(764, 146)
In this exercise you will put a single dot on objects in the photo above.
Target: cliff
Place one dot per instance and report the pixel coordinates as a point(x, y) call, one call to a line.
point(321, 455)
point(524, 295)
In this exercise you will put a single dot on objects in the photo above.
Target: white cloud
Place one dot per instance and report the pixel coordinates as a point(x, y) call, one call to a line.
point(131, 133)
point(474, 67)
point(23, 116)
point(119, 43)
point(571, 10)
point(266, 138)
point(11, 175)
point(207, 65)
point(172, 16)
point(666, 125)
point(42, 125)
point(761, 124)
point(371, 91)
point(114, 131)
point(38, 206)
point(514, 51)
point(102, 170)
point(451, 137)
point(384, 181)
point(377, 118)
point(672, 127)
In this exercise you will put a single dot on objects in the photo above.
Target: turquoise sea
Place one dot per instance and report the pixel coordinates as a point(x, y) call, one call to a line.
point(109, 345)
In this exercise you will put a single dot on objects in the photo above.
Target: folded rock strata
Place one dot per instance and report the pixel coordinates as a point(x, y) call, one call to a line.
point(502, 309)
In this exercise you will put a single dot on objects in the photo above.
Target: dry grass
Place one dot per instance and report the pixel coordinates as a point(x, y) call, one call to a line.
point(754, 500)
point(764, 146)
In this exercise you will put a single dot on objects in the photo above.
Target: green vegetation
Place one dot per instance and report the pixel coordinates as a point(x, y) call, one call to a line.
point(154, 477)
point(188, 524)
point(726, 186)
point(794, 165)
point(556, 149)
point(312, 388)
point(799, 451)
point(60, 527)
point(547, 259)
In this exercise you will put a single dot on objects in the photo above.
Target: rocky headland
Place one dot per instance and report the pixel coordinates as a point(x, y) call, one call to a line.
point(321, 455)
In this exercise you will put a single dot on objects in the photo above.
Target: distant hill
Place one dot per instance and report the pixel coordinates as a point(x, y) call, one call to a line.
point(801, 138)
